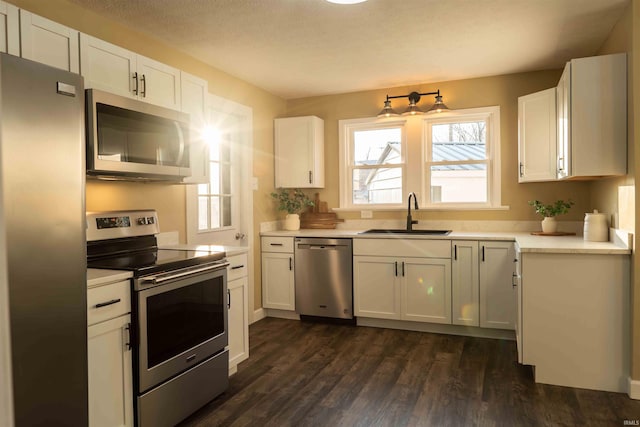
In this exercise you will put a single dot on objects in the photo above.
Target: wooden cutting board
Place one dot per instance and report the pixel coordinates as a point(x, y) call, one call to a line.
point(557, 233)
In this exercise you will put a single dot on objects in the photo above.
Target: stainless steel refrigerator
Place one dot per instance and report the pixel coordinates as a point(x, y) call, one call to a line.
point(42, 240)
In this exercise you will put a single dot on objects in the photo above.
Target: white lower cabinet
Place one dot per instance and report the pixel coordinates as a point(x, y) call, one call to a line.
point(402, 288)
point(109, 356)
point(465, 286)
point(238, 311)
point(278, 277)
point(497, 292)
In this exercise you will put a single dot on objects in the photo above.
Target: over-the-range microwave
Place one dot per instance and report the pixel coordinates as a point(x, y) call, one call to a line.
point(133, 140)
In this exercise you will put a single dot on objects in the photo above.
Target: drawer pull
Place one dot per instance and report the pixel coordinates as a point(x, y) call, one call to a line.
point(104, 304)
point(235, 267)
point(276, 244)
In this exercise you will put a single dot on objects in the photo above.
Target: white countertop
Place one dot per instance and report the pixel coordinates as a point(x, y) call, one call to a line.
point(526, 241)
point(98, 277)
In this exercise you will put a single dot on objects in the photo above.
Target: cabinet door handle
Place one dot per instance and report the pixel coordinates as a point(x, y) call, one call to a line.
point(310, 177)
point(455, 252)
point(396, 264)
point(290, 263)
point(521, 173)
point(228, 299)
point(235, 267)
point(135, 78)
point(104, 304)
point(127, 344)
point(144, 86)
point(514, 280)
point(483, 254)
point(560, 164)
point(402, 268)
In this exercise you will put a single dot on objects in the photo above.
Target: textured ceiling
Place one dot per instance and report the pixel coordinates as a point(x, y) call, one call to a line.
point(300, 48)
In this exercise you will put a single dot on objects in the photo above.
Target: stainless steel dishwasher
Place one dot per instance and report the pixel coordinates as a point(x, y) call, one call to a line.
point(324, 277)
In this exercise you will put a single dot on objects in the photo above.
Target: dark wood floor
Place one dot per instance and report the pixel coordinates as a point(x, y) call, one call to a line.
point(306, 374)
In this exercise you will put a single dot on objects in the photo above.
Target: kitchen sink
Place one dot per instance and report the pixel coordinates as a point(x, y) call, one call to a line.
point(403, 231)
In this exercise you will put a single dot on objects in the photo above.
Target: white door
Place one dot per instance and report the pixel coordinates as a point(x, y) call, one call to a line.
point(465, 286)
point(278, 289)
point(110, 374)
point(9, 29)
point(537, 136)
point(48, 42)
point(159, 83)
point(108, 67)
point(426, 290)
point(497, 293)
point(376, 289)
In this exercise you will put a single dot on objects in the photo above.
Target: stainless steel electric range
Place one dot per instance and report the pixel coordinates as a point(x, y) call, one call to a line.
point(179, 309)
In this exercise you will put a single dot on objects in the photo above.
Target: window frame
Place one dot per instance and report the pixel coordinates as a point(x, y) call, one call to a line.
point(491, 116)
point(347, 164)
point(415, 153)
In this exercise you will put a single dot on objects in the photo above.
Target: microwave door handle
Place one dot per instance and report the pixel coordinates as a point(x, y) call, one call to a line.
point(181, 138)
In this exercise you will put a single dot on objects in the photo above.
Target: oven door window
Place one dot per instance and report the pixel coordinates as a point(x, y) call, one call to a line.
point(183, 318)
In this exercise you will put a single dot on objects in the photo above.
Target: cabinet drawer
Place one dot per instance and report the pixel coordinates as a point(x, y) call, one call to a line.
point(237, 266)
point(403, 248)
point(109, 301)
point(277, 244)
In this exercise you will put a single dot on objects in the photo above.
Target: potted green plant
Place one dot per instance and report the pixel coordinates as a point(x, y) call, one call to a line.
point(550, 211)
point(293, 202)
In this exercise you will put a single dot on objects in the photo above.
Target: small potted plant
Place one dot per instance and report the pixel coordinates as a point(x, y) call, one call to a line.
point(293, 202)
point(549, 212)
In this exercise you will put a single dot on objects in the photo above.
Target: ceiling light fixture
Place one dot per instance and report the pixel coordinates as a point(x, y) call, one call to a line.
point(413, 109)
point(346, 1)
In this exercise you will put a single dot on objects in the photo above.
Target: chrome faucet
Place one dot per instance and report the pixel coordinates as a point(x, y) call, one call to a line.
point(410, 221)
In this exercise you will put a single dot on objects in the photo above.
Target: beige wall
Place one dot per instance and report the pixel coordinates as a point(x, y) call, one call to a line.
point(499, 90)
point(169, 200)
point(617, 196)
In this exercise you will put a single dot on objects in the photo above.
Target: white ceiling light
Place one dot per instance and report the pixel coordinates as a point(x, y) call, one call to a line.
point(346, 1)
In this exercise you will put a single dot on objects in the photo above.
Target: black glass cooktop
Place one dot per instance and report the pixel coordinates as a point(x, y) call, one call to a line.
point(155, 260)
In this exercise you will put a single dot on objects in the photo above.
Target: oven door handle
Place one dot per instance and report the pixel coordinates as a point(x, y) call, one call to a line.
point(167, 277)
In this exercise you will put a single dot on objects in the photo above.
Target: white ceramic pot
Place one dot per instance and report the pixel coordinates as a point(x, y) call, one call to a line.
point(549, 224)
point(596, 228)
point(292, 222)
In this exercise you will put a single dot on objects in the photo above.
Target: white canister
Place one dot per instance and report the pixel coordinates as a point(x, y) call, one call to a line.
point(596, 228)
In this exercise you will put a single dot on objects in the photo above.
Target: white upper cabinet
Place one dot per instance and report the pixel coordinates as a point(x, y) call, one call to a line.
point(194, 92)
point(592, 117)
point(107, 67)
point(48, 42)
point(159, 83)
point(537, 136)
point(299, 152)
point(9, 29)
point(116, 70)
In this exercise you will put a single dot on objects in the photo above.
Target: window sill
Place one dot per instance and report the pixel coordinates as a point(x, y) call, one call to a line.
point(426, 208)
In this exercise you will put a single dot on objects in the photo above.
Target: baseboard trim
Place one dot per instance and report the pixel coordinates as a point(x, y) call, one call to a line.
point(470, 331)
point(282, 314)
point(634, 389)
point(259, 314)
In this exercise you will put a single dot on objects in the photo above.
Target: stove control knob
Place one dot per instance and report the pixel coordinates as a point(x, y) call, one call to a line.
point(142, 221)
point(150, 220)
